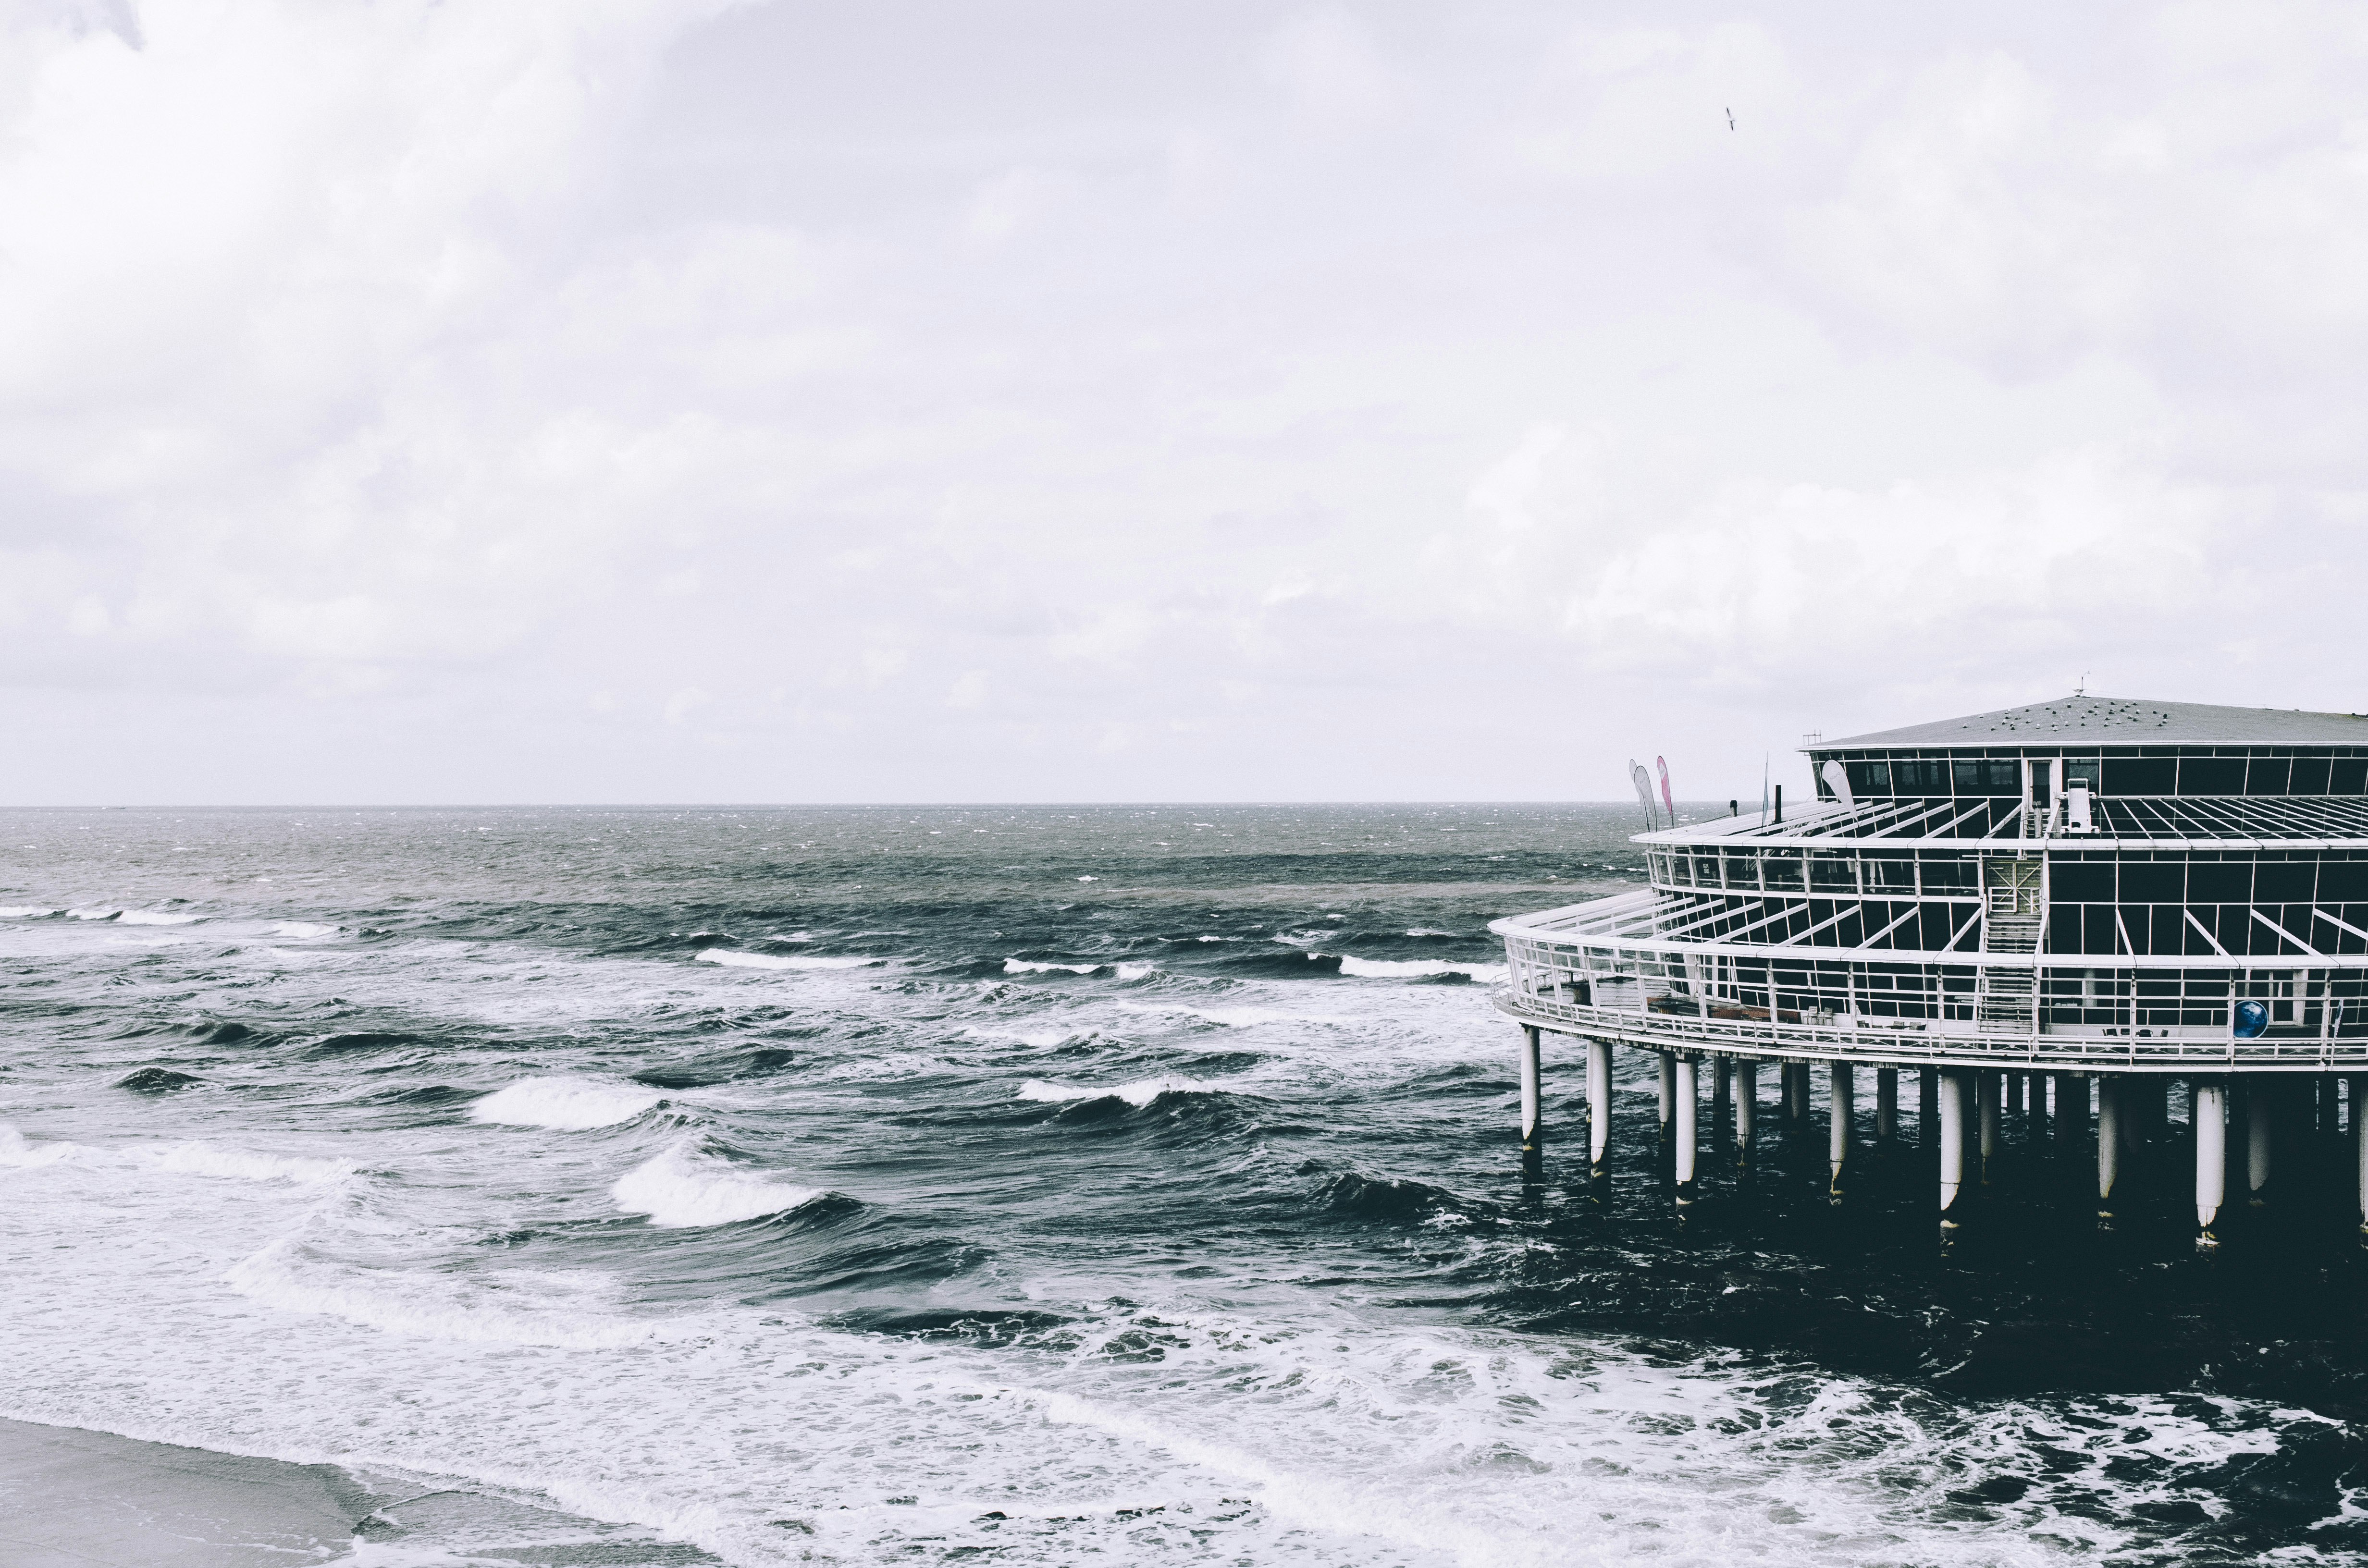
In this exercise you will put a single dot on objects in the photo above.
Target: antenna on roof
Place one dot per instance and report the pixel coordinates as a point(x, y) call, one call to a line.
point(2082, 689)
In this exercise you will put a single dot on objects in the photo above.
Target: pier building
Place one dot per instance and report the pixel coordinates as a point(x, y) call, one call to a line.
point(2103, 896)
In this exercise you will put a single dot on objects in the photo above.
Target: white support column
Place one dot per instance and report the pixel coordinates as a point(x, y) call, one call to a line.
point(1952, 1101)
point(1689, 1090)
point(1840, 1104)
point(2108, 1138)
point(2211, 1101)
point(1669, 1090)
point(2360, 1139)
point(1746, 1105)
point(1599, 1104)
point(1530, 1094)
point(2260, 1100)
point(1985, 1091)
point(1886, 1104)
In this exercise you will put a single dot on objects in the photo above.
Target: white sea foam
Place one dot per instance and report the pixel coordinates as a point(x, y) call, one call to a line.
point(25, 911)
point(93, 912)
point(24, 1153)
point(181, 1159)
point(153, 917)
point(1142, 1092)
point(1123, 971)
point(299, 928)
point(515, 1307)
point(682, 1187)
point(780, 961)
point(211, 1160)
point(1426, 931)
point(565, 1105)
point(1415, 969)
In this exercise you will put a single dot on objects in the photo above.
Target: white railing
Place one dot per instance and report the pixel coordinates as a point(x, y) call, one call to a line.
point(1599, 970)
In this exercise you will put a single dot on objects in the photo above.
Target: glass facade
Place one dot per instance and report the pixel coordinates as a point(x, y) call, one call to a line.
point(1956, 905)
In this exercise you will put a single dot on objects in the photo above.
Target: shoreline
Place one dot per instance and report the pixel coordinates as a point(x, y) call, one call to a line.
point(72, 1497)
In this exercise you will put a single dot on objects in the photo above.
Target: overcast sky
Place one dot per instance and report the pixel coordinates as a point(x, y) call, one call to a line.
point(613, 400)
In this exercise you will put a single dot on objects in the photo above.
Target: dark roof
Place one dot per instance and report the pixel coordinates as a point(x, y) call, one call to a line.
point(2120, 721)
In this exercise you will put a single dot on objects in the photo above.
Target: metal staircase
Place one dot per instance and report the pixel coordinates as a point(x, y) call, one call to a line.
point(2006, 998)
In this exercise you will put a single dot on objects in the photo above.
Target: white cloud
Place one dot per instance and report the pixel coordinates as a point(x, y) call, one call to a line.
point(778, 421)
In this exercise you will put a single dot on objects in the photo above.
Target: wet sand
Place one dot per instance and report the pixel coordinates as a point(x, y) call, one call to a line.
point(70, 1498)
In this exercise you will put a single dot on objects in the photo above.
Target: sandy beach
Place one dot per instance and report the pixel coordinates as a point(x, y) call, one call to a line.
point(70, 1498)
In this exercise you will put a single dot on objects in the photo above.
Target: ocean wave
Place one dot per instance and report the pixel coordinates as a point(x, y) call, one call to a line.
point(25, 1153)
point(565, 1104)
point(212, 1160)
point(681, 1188)
point(153, 917)
point(26, 911)
point(1140, 1093)
point(181, 1159)
point(1121, 970)
point(1426, 931)
point(277, 1275)
point(300, 929)
point(780, 961)
point(1418, 969)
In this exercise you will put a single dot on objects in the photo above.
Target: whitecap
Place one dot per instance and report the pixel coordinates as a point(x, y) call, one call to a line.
point(565, 1104)
point(1426, 931)
point(779, 961)
point(681, 1188)
point(24, 1153)
point(153, 917)
point(208, 1159)
point(275, 1276)
point(1025, 966)
point(93, 912)
point(1415, 969)
point(1142, 1092)
point(25, 911)
point(302, 928)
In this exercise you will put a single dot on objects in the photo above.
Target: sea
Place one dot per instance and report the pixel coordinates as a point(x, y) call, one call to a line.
point(1054, 1184)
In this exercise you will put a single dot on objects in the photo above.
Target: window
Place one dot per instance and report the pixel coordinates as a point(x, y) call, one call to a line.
point(2212, 775)
point(1833, 873)
point(2284, 881)
point(1891, 876)
point(2220, 882)
point(2348, 776)
point(2269, 776)
point(1948, 875)
point(1920, 777)
point(1869, 777)
point(2086, 772)
point(2153, 881)
point(1782, 871)
point(2310, 775)
point(2081, 881)
point(2141, 775)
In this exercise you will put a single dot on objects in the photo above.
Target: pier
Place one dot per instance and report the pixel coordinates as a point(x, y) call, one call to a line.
point(2080, 914)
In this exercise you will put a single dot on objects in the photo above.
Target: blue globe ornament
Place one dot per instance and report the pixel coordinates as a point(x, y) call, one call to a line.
point(2251, 1019)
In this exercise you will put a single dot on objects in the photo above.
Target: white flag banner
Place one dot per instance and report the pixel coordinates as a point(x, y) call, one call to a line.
point(1643, 791)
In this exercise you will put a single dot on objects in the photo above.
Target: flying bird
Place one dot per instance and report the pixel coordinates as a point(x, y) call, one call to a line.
point(1730, 119)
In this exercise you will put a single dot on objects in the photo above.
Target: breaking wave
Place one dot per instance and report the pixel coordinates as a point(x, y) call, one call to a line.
point(1420, 969)
point(780, 961)
point(1140, 1093)
point(1121, 970)
point(683, 1187)
point(565, 1104)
